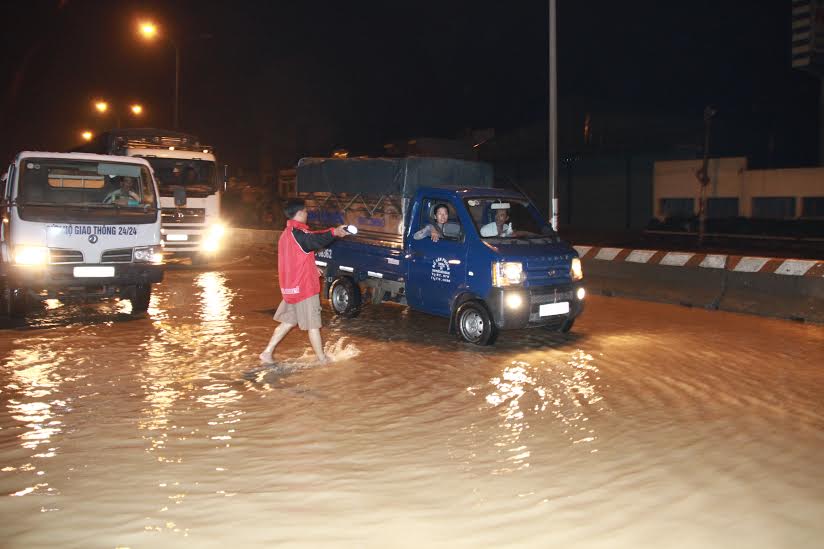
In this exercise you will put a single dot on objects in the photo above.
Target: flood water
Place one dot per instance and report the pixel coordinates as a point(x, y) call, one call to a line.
point(649, 425)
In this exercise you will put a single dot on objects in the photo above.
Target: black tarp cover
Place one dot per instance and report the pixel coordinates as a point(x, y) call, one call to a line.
point(389, 176)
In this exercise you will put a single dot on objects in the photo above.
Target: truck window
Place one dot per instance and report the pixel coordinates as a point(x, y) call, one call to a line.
point(428, 214)
point(516, 219)
point(57, 182)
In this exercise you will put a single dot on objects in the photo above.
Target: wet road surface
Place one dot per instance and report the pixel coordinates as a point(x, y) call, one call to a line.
point(649, 425)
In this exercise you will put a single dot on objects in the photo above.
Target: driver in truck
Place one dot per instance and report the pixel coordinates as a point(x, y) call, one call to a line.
point(125, 193)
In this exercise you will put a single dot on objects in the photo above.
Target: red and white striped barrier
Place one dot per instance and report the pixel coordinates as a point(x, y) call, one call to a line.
point(737, 263)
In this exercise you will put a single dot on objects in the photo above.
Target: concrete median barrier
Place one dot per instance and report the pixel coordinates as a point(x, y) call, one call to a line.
point(783, 288)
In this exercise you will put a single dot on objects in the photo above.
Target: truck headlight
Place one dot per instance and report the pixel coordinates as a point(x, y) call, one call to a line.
point(575, 269)
point(148, 254)
point(217, 230)
point(211, 240)
point(31, 255)
point(507, 273)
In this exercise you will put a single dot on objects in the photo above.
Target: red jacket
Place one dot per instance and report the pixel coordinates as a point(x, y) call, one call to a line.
point(297, 272)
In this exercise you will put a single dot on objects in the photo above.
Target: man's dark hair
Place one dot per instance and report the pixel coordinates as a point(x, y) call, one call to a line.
point(438, 207)
point(294, 206)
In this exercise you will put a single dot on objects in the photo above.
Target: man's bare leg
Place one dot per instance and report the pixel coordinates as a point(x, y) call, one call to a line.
point(317, 345)
point(279, 333)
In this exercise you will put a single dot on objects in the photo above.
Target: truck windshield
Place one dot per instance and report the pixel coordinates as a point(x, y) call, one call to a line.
point(197, 176)
point(82, 191)
point(496, 217)
point(84, 183)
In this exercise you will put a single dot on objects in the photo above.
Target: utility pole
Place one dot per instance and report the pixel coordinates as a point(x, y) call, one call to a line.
point(553, 120)
point(702, 174)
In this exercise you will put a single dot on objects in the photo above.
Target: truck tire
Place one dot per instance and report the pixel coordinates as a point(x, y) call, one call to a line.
point(566, 326)
point(140, 297)
point(474, 324)
point(14, 302)
point(345, 297)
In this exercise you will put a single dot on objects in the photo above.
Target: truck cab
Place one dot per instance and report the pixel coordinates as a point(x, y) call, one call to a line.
point(494, 264)
point(189, 183)
point(509, 279)
point(78, 226)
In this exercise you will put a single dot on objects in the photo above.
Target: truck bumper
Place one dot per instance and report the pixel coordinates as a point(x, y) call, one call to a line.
point(60, 277)
point(516, 308)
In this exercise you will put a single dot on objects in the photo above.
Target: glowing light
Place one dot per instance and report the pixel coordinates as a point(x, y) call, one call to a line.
point(581, 293)
point(514, 301)
point(87, 135)
point(148, 30)
point(101, 106)
point(576, 269)
point(31, 255)
point(137, 110)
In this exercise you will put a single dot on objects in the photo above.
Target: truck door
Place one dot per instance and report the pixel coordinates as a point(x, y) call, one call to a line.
point(436, 269)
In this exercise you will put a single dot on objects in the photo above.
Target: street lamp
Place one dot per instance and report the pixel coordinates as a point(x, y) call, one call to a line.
point(149, 31)
point(87, 135)
point(102, 107)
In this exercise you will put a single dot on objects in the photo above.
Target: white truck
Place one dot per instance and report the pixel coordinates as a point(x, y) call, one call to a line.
point(78, 225)
point(190, 186)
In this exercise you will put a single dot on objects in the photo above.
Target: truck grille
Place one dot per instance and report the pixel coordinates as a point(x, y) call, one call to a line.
point(57, 256)
point(541, 296)
point(122, 255)
point(174, 216)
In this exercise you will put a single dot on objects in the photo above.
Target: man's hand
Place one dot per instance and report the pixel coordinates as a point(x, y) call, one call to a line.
point(435, 235)
point(340, 231)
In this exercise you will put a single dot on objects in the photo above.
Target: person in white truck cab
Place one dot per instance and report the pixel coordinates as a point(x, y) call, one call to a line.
point(124, 193)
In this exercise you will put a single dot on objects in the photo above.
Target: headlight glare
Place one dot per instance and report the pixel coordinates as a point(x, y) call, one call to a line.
point(507, 273)
point(31, 255)
point(217, 230)
point(576, 270)
point(148, 254)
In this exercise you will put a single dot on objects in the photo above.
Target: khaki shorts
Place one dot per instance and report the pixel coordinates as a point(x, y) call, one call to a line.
point(306, 313)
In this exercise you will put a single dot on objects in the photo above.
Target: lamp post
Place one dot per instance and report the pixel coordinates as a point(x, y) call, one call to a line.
point(553, 120)
point(149, 31)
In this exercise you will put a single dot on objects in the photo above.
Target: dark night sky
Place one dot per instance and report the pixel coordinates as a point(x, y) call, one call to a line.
point(297, 78)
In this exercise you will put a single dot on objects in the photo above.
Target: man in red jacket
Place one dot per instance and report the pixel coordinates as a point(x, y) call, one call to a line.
point(298, 277)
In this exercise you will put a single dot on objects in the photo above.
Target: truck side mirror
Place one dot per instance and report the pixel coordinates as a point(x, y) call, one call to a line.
point(452, 230)
point(225, 177)
point(180, 196)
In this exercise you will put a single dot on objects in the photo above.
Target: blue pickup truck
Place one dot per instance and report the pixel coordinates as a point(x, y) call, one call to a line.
point(494, 263)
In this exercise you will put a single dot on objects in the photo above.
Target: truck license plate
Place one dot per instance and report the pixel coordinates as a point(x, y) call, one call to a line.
point(93, 272)
point(551, 309)
point(177, 237)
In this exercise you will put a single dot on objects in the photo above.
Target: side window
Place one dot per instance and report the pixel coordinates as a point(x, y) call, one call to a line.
point(5, 182)
point(429, 212)
point(148, 188)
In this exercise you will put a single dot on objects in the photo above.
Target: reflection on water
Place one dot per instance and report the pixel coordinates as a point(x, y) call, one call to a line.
point(542, 392)
point(167, 432)
point(31, 400)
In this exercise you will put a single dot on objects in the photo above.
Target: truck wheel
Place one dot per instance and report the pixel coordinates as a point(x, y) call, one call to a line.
point(566, 326)
point(16, 302)
point(345, 297)
point(141, 295)
point(475, 324)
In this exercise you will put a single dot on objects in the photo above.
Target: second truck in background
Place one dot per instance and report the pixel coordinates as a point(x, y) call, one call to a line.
point(189, 182)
